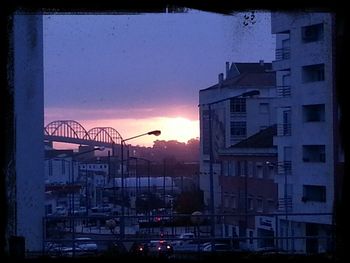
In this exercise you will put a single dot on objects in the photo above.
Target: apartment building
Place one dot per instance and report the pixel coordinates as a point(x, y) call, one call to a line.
point(241, 104)
point(307, 128)
point(248, 187)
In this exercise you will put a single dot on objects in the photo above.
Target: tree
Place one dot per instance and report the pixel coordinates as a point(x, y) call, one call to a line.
point(188, 202)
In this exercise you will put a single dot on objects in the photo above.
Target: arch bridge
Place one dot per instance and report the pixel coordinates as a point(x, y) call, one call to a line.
point(70, 131)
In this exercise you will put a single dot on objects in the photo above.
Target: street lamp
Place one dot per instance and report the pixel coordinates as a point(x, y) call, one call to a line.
point(211, 155)
point(122, 222)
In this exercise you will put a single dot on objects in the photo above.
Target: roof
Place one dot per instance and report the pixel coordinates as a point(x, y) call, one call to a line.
point(250, 74)
point(53, 153)
point(253, 67)
point(262, 139)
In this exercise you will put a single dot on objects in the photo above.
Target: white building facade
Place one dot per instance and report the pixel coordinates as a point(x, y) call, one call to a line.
point(233, 119)
point(306, 135)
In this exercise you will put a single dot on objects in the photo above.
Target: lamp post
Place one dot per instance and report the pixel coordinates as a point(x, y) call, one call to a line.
point(211, 156)
point(122, 221)
point(73, 201)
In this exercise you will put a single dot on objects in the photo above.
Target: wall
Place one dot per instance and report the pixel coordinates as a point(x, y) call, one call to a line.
point(29, 123)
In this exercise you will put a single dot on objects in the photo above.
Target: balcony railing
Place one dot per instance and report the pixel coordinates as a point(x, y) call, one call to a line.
point(284, 129)
point(284, 167)
point(283, 91)
point(285, 204)
point(237, 114)
point(282, 53)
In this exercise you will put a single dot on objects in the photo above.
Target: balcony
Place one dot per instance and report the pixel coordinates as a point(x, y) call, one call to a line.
point(235, 115)
point(284, 129)
point(282, 53)
point(285, 204)
point(284, 167)
point(283, 91)
point(282, 61)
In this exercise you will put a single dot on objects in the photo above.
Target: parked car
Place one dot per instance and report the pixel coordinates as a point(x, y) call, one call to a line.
point(160, 248)
point(184, 238)
point(85, 244)
point(219, 247)
point(140, 249)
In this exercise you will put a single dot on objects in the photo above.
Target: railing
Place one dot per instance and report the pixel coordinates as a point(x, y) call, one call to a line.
point(284, 129)
point(282, 53)
point(284, 167)
point(283, 91)
point(238, 114)
point(285, 204)
point(276, 234)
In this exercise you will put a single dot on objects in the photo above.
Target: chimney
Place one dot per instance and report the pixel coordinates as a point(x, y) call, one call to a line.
point(221, 78)
point(227, 69)
point(261, 62)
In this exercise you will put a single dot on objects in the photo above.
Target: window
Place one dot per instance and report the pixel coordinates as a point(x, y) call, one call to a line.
point(50, 167)
point(314, 153)
point(228, 168)
point(231, 168)
point(313, 73)
point(250, 203)
point(259, 170)
point(63, 167)
point(238, 168)
point(227, 201)
point(244, 168)
point(259, 204)
point(315, 193)
point(314, 113)
point(233, 202)
point(271, 205)
point(238, 128)
point(270, 171)
point(48, 209)
point(312, 33)
point(251, 235)
point(250, 169)
point(224, 168)
point(264, 108)
point(238, 105)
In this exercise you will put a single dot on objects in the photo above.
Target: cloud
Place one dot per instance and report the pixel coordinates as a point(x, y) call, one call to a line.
point(66, 113)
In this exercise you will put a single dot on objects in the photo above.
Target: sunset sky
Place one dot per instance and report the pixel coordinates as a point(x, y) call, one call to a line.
point(138, 73)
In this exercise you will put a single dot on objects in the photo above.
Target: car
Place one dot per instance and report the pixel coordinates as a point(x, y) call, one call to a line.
point(140, 249)
point(85, 244)
point(189, 235)
point(219, 247)
point(183, 238)
point(160, 248)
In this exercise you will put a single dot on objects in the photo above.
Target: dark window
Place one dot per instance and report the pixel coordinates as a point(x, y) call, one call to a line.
point(238, 105)
point(313, 73)
point(312, 33)
point(238, 168)
point(225, 168)
point(313, 113)
point(50, 167)
point(264, 108)
point(63, 166)
point(238, 128)
point(314, 193)
point(314, 153)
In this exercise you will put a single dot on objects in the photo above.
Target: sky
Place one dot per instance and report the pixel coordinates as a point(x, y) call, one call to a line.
point(143, 72)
